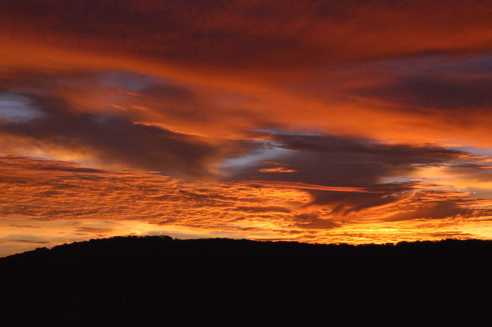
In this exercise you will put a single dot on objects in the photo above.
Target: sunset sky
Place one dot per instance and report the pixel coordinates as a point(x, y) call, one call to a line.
point(309, 120)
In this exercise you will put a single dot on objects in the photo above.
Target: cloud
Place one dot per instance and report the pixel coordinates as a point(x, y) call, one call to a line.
point(345, 161)
point(229, 70)
point(437, 205)
point(157, 100)
point(312, 221)
point(438, 210)
point(428, 93)
point(258, 209)
point(348, 174)
point(44, 199)
point(343, 204)
point(245, 34)
point(50, 190)
point(113, 140)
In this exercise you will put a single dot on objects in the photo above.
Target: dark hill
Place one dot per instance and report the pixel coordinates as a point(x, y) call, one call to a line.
point(158, 279)
point(153, 248)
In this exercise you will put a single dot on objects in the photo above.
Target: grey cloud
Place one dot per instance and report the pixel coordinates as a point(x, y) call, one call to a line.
point(350, 162)
point(114, 139)
point(436, 210)
point(313, 221)
point(343, 161)
point(427, 93)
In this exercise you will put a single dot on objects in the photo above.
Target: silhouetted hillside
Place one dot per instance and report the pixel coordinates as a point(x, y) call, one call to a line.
point(153, 248)
point(159, 278)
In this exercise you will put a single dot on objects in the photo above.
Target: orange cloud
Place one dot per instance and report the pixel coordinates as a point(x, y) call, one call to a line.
point(44, 199)
point(277, 170)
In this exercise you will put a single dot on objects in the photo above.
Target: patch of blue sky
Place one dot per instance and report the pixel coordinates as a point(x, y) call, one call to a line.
point(17, 109)
point(266, 151)
point(475, 150)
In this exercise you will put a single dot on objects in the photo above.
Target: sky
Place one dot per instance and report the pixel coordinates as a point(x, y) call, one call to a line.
point(316, 121)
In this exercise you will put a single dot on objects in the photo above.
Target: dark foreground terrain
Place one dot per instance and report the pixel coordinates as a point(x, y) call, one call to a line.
point(130, 279)
point(124, 249)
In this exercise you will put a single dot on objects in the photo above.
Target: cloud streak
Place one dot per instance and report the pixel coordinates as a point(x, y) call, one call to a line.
point(112, 140)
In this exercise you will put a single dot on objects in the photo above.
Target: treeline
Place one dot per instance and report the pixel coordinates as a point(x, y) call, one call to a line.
point(122, 248)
